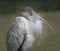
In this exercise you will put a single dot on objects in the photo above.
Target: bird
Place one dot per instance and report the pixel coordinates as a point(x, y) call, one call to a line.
point(23, 30)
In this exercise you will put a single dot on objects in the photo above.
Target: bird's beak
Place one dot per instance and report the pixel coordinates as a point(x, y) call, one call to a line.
point(47, 23)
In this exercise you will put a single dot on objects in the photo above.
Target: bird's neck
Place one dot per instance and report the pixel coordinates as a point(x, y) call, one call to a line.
point(28, 16)
point(25, 14)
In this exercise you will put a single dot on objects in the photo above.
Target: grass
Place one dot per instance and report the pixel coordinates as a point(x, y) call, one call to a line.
point(47, 41)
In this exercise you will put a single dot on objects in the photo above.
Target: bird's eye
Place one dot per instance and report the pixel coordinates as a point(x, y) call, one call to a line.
point(30, 10)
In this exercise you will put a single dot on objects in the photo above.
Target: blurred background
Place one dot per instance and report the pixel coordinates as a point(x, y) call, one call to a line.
point(48, 9)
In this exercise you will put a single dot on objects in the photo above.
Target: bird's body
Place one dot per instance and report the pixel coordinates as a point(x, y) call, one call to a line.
point(18, 28)
point(23, 30)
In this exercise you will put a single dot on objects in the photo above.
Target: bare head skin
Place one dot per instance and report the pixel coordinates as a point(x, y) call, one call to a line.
point(29, 12)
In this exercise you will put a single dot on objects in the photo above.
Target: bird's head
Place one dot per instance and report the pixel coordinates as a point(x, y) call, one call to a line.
point(28, 10)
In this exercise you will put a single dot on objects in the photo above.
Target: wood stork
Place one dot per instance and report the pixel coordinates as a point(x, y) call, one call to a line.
point(24, 29)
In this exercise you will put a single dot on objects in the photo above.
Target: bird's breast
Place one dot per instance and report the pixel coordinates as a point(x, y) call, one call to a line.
point(33, 27)
point(36, 28)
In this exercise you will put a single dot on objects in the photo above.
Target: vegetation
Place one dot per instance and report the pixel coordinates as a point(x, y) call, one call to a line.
point(13, 6)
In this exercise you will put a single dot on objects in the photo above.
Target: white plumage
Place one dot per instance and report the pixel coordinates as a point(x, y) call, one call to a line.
point(23, 30)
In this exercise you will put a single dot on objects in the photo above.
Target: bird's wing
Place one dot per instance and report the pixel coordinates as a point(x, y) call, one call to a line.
point(16, 33)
